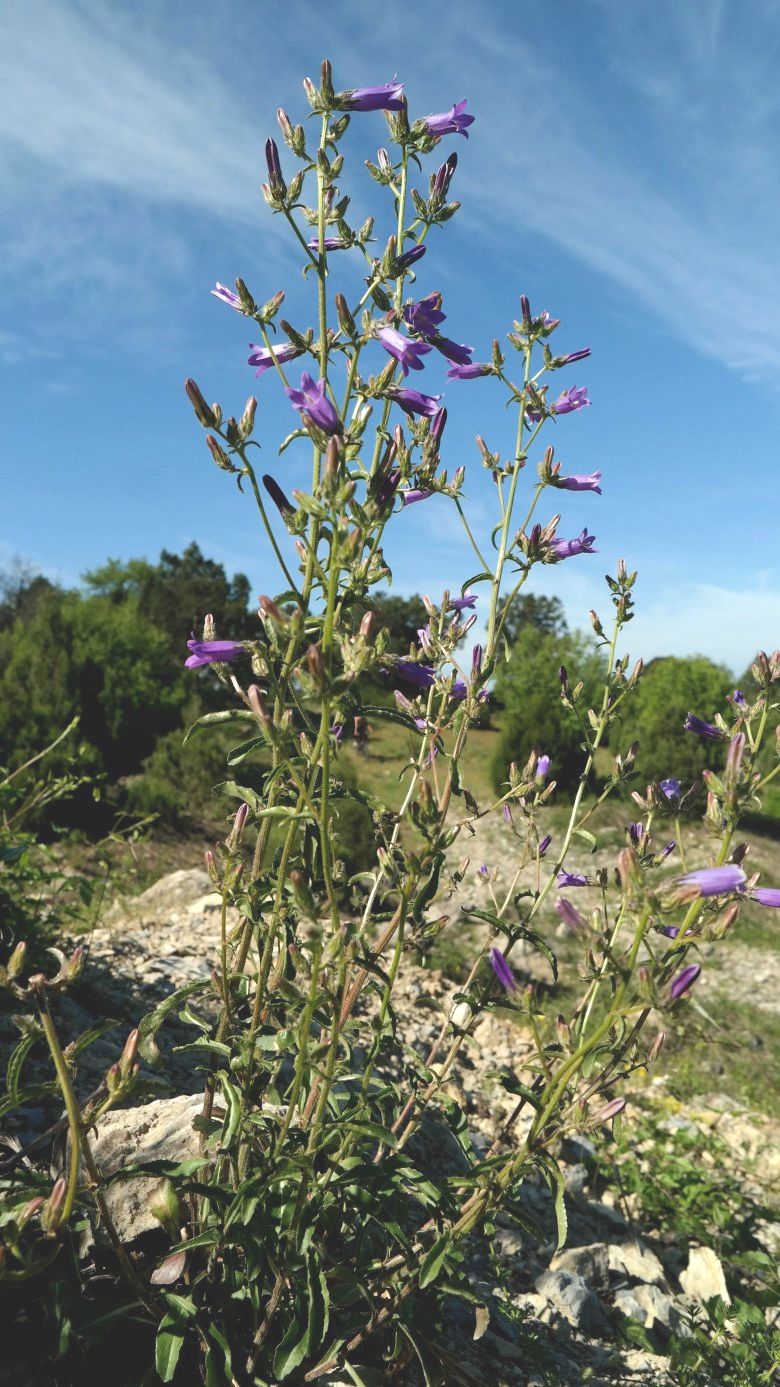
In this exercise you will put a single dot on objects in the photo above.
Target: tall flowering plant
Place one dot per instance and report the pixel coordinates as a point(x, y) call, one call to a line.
point(308, 1235)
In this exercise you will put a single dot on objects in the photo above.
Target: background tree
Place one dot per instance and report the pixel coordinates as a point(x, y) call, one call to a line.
point(529, 691)
point(541, 613)
point(669, 689)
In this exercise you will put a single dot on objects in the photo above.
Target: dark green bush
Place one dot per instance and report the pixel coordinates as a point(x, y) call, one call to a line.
point(669, 689)
point(528, 690)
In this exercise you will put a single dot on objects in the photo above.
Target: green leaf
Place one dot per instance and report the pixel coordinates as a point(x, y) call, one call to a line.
point(433, 1260)
point(588, 837)
point(238, 753)
point(167, 1346)
point(218, 1359)
point(16, 1064)
point(430, 1364)
point(151, 1023)
point(555, 1180)
point(209, 719)
point(291, 1350)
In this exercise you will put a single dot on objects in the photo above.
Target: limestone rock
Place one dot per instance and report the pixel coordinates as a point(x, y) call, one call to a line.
point(590, 1262)
point(572, 1297)
point(635, 1259)
point(703, 1277)
point(161, 1130)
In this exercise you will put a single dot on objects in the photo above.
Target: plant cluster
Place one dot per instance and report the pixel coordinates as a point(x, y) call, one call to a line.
point(311, 1233)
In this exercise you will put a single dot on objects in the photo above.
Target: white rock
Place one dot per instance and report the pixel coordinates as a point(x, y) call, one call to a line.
point(636, 1260)
point(591, 1262)
point(572, 1297)
point(703, 1277)
point(158, 1131)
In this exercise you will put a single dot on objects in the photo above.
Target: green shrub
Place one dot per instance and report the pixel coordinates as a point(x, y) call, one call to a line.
point(529, 691)
point(669, 689)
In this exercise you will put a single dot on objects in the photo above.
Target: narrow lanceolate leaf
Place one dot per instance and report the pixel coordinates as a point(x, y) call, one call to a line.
point(167, 1347)
point(433, 1260)
point(554, 1177)
point(209, 719)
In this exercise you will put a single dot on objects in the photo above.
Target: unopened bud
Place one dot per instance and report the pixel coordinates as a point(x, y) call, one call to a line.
point(315, 662)
point(16, 961)
point(164, 1205)
point(367, 625)
point(656, 1047)
point(258, 704)
point(129, 1054)
point(218, 453)
point(247, 420)
point(269, 610)
point(51, 1213)
point(203, 411)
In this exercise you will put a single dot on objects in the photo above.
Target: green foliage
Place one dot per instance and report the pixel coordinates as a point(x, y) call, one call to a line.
point(669, 689)
point(538, 612)
point(529, 690)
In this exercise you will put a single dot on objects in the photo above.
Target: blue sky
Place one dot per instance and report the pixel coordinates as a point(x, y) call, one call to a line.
point(622, 171)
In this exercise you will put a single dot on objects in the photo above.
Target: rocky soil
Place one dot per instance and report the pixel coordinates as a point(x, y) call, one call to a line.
point(575, 1301)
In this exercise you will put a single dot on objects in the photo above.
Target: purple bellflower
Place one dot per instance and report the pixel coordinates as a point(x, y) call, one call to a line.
point(389, 97)
point(469, 370)
point(330, 243)
point(544, 844)
point(714, 881)
point(542, 767)
point(415, 494)
point(579, 482)
point(425, 316)
point(264, 357)
point(572, 879)
point(570, 915)
point(576, 397)
point(483, 871)
point(684, 980)
point(466, 602)
point(671, 788)
point(211, 652)
point(409, 257)
point(569, 548)
point(405, 351)
point(737, 697)
point(453, 122)
point(767, 895)
point(502, 970)
point(574, 356)
point(227, 296)
point(412, 402)
point(700, 727)
point(312, 400)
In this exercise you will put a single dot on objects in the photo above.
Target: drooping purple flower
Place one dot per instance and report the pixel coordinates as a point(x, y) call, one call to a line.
point(469, 370)
point(412, 402)
point(406, 351)
point(576, 397)
point(544, 844)
point(574, 356)
point(579, 482)
point(670, 931)
point(570, 915)
point(666, 850)
point(714, 881)
point(464, 603)
point(502, 970)
point(423, 676)
point(483, 871)
point(453, 122)
point(766, 895)
point(671, 788)
point(425, 316)
point(389, 97)
point(312, 400)
point(542, 767)
point(227, 296)
point(211, 653)
point(337, 732)
point(456, 352)
point(569, 548)
point(684, 980)
point(635, 831)
point(330, 243)
point(507, 813)
point(424, 638)
point(737, 697)
point(476, 660)
point(415, 494)
point(409, 257)
point(275, 175)
point(265, 357)
point(572, 879)
point(700, 727)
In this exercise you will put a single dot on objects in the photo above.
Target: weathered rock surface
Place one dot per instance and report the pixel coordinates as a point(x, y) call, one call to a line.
point(158, 1131)
point(703, 1277)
